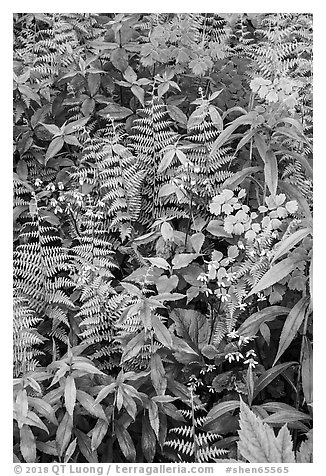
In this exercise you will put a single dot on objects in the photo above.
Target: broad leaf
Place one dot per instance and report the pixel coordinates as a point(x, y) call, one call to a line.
point(99, 432)
point(183, 259)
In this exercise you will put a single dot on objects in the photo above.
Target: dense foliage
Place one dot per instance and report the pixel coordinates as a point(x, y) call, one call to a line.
point(162, 237)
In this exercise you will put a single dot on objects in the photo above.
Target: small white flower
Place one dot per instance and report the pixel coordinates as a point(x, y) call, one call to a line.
point(251, 362)
point(261, 297)
point(233, 335)
point(251, 352)
point(243, 340)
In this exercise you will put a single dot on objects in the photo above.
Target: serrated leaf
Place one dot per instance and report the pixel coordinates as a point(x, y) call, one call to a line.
point(139, 93)
point(252, 324)
point(292, 325)
point(87, 367)
point(166, 161)
point(48, 447)
point(133, 347)
point(285, 445)
point(275, 274)
point(70, 394)
point(115, 111)
point(70, 450)
point(215, 117)
point(257, 442)
point(52, 128)
point(289, 242)
point(125, 442)
point(105, 392)
point(305, 453)
point(84, 444)
point(183, 259)
point(27, 444)
point(307, 370)
point(63, 433)
point(161, 332)
point(267, 377)
point(88, 402)
point(158, 378)
point(130, 75)
point(44, 408)
point(148, 440)
point(54, 147)
point(177, 114)
point(99, 432)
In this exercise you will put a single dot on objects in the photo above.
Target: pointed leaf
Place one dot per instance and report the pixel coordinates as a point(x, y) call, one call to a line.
point(158, 378)
point(257, 442)
point(63, 434)
point(275, 274)
point(237, 178)
point(166, 161)
point(289, 242)
point(44, 408)
point(99, 432)
point(252, 324)
point(292, 325)
point(139, 93)
point(84, 444)
point(133, 346)
point(285, 445)
point(70, 450)
point(27, 444)
point(305, 453)
point(55, 146)
point(220, 409)
point(148, 440)
point(70, 394)
point(271, 172)
point(286, 416)
point(88, 402)
point(161, 332)
point(307, 371)
point(125, 442)
point(267, 377)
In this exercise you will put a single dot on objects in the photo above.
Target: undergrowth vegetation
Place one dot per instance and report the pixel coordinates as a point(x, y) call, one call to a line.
point(162, 238)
